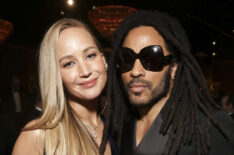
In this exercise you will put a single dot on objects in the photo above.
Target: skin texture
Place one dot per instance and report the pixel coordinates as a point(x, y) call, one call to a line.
point(152, 83)
point(145, 85)
point(84, 76)
point(82, 67)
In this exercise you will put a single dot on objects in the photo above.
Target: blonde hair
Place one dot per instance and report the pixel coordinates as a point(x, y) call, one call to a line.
point(64, 132)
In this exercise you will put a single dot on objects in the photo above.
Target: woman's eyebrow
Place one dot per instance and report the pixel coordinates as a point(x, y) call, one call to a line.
point(65, 57)
point(84, 51)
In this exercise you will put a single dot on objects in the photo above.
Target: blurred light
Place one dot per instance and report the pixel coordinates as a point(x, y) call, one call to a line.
point(6, 29)
point(70, 2)
point(106, 19)
point(232, 31)
point(214, 42)
point(213, 54)
point(62, 12)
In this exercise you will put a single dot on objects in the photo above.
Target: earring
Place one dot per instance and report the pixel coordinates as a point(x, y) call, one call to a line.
point(106, 65)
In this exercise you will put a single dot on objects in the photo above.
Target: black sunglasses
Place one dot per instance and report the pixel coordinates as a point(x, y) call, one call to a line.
point(151, 58)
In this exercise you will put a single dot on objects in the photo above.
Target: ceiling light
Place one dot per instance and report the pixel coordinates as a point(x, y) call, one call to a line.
point(6, 29)
point(70, 2)
point(106, 19)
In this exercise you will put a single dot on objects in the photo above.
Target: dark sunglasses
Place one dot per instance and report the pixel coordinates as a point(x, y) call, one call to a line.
point(151, 58)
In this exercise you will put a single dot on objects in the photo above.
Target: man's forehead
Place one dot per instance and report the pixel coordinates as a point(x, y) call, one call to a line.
point(141, 37)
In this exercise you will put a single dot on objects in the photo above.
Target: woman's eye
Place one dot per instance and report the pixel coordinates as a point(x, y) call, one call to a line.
point(67, 64)
point(91, 56)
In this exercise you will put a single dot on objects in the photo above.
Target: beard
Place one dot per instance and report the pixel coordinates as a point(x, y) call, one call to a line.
point(156, 94)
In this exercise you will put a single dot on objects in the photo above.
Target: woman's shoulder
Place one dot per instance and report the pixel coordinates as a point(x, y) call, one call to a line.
point(29, 141)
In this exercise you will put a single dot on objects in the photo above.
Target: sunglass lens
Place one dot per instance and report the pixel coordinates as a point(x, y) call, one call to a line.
point(125, 59)
point(152, 58)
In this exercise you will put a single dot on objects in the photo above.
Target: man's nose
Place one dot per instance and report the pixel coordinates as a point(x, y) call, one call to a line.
point(137, 70)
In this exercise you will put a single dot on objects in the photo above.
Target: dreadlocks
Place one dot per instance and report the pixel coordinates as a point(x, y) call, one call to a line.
point(189, 94)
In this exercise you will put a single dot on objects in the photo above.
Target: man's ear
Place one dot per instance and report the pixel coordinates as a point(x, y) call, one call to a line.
point(173, 70)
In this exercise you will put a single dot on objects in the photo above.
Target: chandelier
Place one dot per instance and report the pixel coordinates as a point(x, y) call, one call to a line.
point(5, 29)
point(106, 19)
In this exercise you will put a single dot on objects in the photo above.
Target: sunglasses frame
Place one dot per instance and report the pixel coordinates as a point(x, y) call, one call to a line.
point(164, 60)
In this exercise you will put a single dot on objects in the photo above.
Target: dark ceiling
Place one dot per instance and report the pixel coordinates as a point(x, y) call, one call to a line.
point(204, 20)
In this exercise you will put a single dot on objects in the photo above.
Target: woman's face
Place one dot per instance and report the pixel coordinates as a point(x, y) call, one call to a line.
point(81, 63)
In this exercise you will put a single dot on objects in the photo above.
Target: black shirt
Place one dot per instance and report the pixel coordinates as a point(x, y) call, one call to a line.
point(154, 143)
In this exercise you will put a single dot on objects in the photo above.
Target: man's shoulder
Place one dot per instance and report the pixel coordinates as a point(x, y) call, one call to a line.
point(221, 117)
point(219, 143)
point(222, 138)
point(225, 121)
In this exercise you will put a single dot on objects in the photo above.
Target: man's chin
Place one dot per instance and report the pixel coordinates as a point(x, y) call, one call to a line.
point(140, 103)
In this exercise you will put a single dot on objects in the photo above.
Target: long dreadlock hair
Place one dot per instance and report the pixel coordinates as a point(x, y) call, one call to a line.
point(189, 94)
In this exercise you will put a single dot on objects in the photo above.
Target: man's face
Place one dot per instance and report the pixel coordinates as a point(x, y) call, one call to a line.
point(145, 87)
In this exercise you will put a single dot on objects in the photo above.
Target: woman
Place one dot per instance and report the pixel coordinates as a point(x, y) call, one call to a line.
point(72, 74)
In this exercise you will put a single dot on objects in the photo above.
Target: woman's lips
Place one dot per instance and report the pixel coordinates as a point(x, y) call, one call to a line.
point(89, 83)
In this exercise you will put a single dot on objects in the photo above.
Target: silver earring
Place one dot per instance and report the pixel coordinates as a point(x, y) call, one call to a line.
point(106, 65)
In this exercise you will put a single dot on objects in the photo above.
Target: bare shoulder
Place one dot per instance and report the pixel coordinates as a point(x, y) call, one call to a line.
point(29, 142)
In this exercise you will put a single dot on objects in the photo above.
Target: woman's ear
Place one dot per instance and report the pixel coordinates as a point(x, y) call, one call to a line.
point(106, 65)
point(104, 60)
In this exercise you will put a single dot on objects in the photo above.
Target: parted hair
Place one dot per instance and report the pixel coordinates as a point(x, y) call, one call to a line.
point(64, 131)
point(189, 95)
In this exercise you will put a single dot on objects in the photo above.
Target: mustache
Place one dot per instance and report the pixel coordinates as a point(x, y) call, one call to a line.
point(139, 80)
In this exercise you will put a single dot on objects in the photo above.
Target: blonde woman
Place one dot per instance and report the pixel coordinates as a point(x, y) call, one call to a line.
point(72, 75)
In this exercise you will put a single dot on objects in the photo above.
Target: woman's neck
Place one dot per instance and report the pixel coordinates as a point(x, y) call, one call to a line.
point(86, 111)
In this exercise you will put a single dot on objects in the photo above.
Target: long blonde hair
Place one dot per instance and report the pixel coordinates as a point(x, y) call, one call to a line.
point(64, 132)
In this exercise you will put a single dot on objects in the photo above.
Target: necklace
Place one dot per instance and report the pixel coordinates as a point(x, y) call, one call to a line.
point(94, 133)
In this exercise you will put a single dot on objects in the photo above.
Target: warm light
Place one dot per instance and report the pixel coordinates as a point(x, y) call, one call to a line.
point(70, 2)
point(6, 29)
point(214, 42)
point(106, 19)
point(62, 12)
point(213, 54)
point(232, 31)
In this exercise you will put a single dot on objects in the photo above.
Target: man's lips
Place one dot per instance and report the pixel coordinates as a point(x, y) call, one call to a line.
point(137, 87)
point(89, 83)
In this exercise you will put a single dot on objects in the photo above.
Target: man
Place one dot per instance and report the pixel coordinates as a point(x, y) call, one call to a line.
point(152, 68)
point(227, 102)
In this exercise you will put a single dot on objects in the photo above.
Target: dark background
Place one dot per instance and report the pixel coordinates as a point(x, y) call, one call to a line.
point(205, 21)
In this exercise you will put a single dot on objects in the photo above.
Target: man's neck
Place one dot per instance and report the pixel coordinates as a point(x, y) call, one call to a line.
point(150, 113)
point(147, 116)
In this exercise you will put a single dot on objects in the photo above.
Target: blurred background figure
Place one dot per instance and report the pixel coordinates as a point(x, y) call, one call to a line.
point(36, 111)
point(7, 132)
point(7, 135)
point(227, 102)
point(16, 103)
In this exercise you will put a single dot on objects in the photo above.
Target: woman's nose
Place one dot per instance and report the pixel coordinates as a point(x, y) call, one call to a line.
point(84, 70)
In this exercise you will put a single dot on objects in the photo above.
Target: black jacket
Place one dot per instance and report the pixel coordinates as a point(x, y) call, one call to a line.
point(154, 143)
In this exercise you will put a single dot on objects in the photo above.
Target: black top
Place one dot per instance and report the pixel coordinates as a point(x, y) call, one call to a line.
point(154, 143)
point(151, 143)
point(114, 150)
